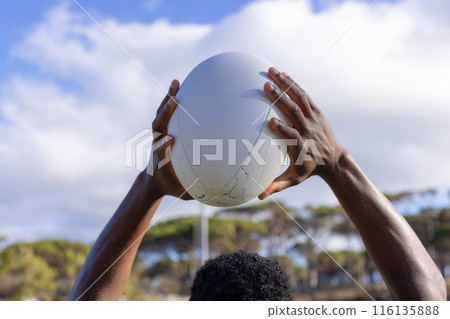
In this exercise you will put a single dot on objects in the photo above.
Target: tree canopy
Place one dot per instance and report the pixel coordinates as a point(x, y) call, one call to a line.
point(44, 270)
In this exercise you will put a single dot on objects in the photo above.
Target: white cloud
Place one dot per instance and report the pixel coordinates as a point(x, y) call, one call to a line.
point(151, 5)
point(382, 86)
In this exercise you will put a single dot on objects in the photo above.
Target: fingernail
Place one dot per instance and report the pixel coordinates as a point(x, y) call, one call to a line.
point(271, 87)
point(275, 70)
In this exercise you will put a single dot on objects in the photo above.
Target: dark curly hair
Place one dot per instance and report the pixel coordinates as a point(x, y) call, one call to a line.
point(241, 276)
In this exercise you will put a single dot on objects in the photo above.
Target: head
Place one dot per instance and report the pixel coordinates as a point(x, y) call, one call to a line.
point(241, 276)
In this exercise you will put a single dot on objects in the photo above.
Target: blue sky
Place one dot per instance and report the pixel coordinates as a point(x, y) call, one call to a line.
point(16, 17)
point(66, 109)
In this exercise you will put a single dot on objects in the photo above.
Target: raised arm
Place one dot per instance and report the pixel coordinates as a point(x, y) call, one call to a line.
point(408, 270)
point(108, 265)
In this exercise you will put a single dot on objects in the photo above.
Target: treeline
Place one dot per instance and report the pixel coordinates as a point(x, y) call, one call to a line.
point(296, 239)
point(44, 270)
point(169, 254)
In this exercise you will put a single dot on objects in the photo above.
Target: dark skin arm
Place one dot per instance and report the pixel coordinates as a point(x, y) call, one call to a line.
point(407, 268)
point(122, 235)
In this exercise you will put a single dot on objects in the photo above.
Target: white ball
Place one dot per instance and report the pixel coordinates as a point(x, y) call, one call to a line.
point(219, 102)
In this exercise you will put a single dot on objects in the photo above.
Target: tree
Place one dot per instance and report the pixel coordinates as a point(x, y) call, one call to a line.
point(296, 274)
point(44, 270)
point(229, 235)
point(397, 197)
point(344, 227)
point(316, 223)
point(225, 235)
point(331, 274)
point(433, 229)
point(174, 241)
point(280, 226)
point(441, 240)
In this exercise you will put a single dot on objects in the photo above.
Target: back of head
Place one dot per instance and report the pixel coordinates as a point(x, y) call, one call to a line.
point(241, 276)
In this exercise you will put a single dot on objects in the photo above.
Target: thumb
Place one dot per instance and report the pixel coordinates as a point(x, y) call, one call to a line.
point(281, 182)
point(160, 154)
point(285, 180)
point(162, 145)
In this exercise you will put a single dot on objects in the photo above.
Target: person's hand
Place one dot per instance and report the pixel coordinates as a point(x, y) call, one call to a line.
point(309, 128)
point(165, 180)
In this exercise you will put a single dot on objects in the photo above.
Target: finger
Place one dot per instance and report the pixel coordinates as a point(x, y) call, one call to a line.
point(283, 130)
point(163, 144)
point(173, 90)
point(286, 105)
point(292, 81)
point(292, 89)
point(311, 103)
point(281, 182)
point(288, 133)
point(162, 119)
point(285, 180)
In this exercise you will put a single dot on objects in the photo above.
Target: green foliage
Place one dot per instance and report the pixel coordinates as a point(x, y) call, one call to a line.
point(295, 273)
point(404, 196)
point(174, 234)
point(325, 218)
point(268, 206)
point(441, 239)
point(44, 270)
point(398, 196)
point(353, 262)
point(444, 216)
point(165, 266)
point(178, 235)
point(228, 235)
point(325, 211)
point(225, 235)
point(344, 258)
point(432, 228)
point(442, 232)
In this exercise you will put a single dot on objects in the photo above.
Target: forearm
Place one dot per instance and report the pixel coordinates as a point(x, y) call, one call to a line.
point(112, 247)
point(407, 268)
